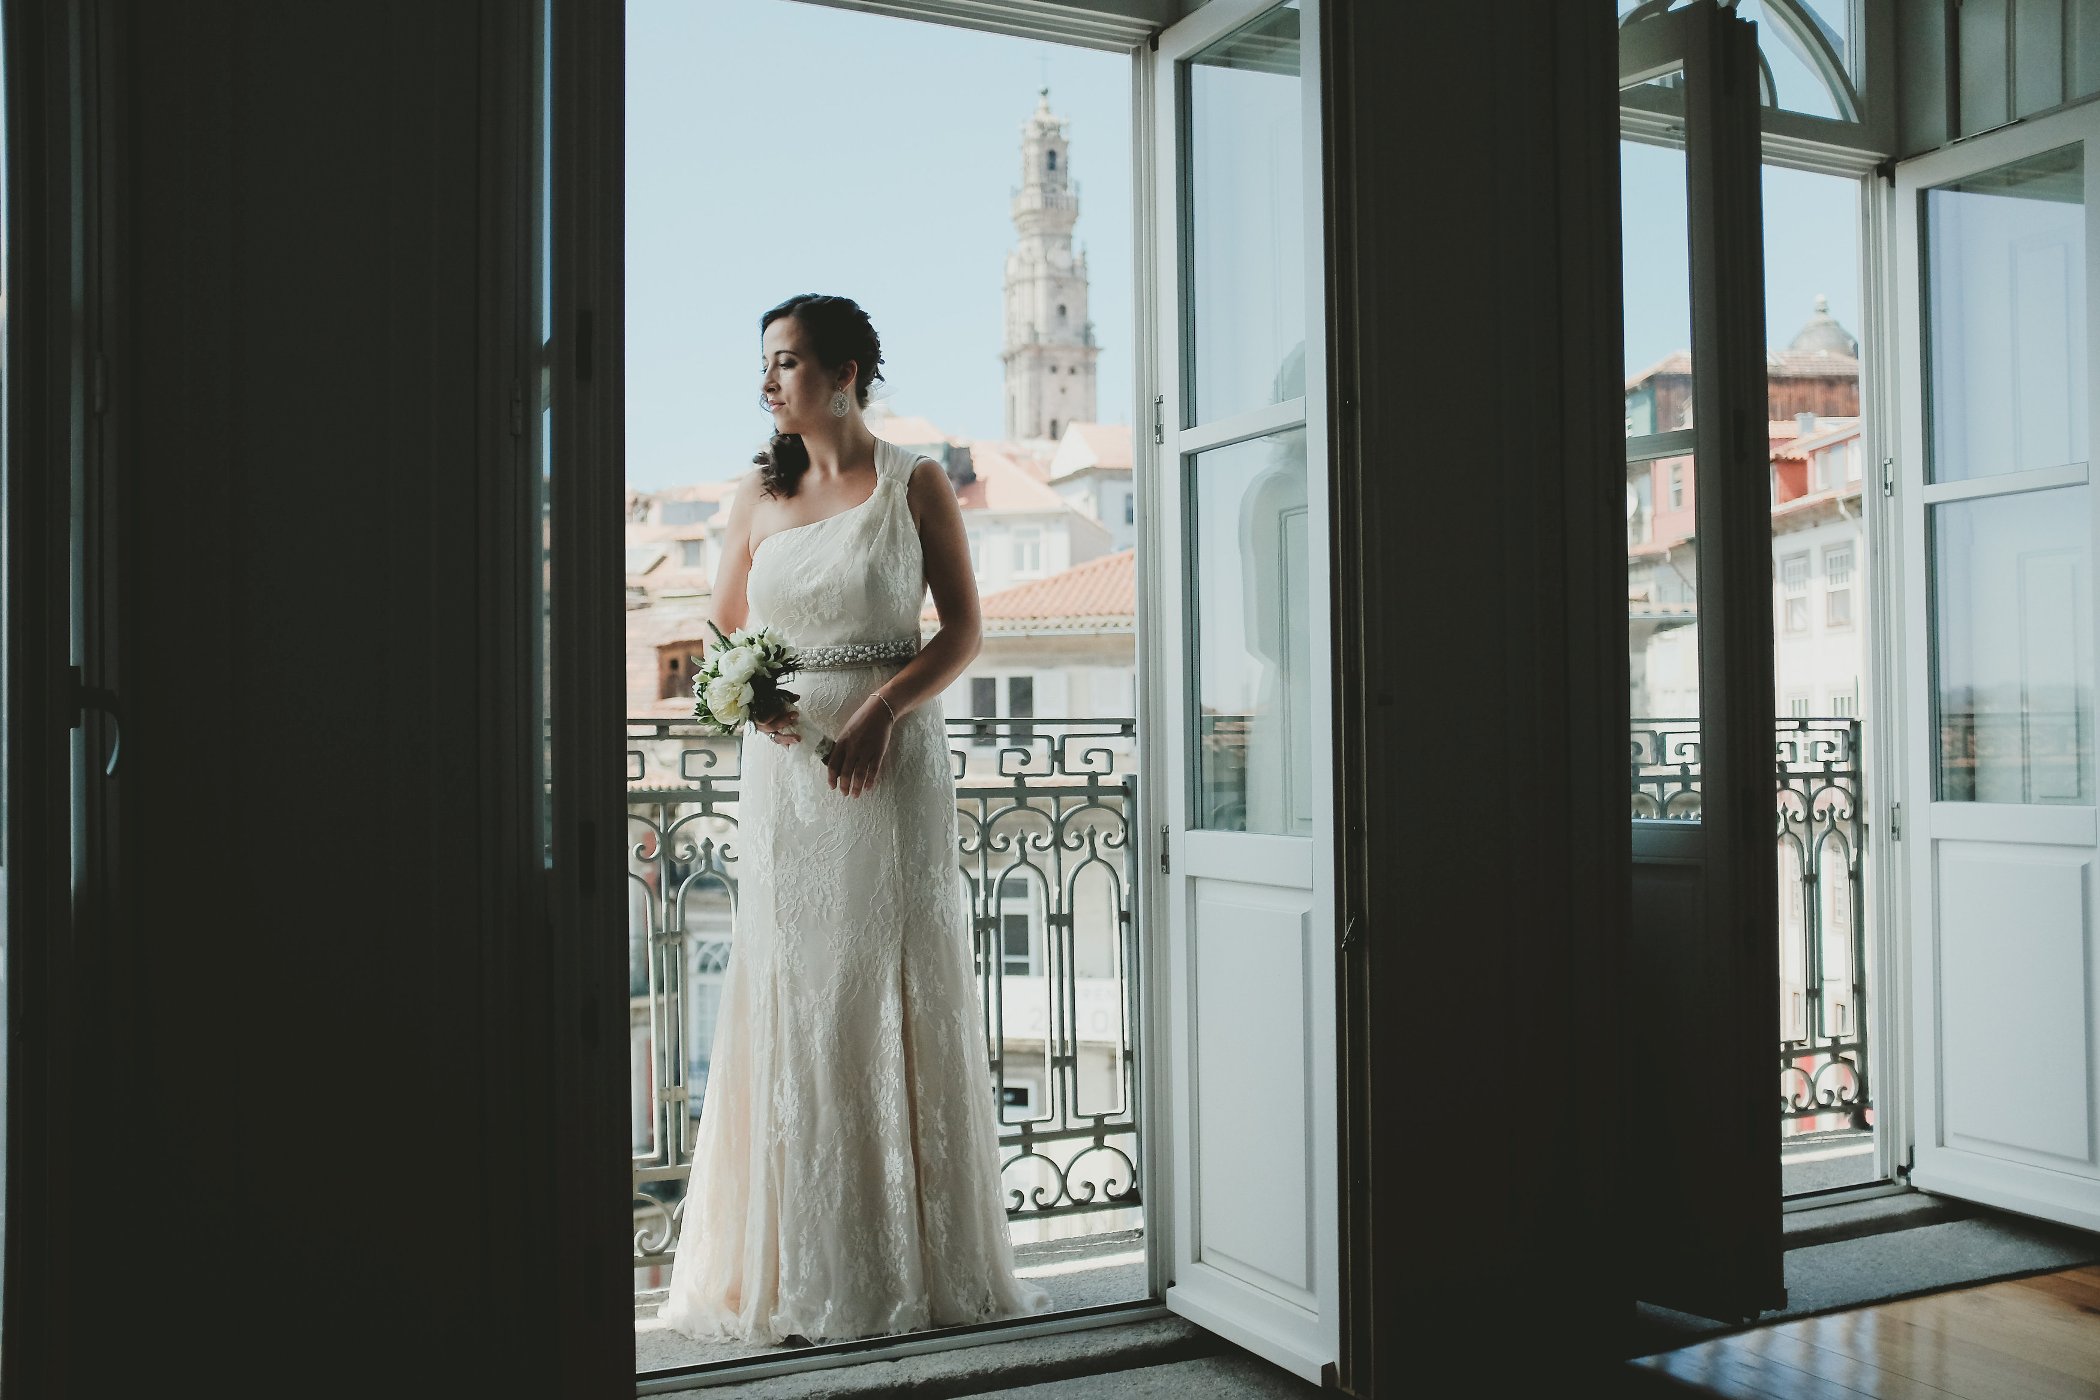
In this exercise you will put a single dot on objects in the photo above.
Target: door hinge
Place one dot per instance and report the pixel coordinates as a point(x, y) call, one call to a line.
point(1888, 476)
point(1159, 418)
point(517, 409)
point(1164, 831)
point(1895, 821)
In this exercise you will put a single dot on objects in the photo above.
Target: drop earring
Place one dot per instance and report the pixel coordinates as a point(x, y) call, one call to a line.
point(840, 404)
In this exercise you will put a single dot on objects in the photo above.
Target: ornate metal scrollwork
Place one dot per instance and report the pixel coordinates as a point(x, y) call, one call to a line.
point(1818, 821)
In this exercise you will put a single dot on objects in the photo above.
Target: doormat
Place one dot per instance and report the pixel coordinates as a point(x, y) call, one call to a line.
point(1882, 1268)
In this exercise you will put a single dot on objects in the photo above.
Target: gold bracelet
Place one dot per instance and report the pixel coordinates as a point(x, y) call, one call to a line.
point(887, 706)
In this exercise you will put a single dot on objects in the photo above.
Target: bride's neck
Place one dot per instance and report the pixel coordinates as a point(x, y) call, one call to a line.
point(833, 453)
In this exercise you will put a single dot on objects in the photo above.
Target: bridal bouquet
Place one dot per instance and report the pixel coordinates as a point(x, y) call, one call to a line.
point(739, 680)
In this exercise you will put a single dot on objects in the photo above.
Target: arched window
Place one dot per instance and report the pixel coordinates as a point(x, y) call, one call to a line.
point(1807, 52)
point(1053, 159)
point(1060, 311)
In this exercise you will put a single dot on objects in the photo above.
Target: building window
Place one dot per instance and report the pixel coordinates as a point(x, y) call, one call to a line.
point(692, 554)
point(1677, 488)
point(674, 669)
point(1130, 509)
point(1052, 155)
point(976, 550)
point(1020, 704)
point(1793, 577)
point(984, 703)
point(1028, 541)
point(1837, 587)
point(1060, 311)
point(985, 710)
point(1053, 427)
point(1016, 941)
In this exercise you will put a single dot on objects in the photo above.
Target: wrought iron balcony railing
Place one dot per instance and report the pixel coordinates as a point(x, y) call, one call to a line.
point(1046, 810)
point(1819, 823)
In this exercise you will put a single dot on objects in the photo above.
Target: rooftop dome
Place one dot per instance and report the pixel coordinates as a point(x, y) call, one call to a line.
point(1824, 336)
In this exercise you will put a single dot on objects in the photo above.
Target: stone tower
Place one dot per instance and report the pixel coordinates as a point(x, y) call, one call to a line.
point(1050, 349)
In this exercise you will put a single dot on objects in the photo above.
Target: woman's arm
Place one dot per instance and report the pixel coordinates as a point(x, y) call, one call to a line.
point(729, 606)
point(946, 548)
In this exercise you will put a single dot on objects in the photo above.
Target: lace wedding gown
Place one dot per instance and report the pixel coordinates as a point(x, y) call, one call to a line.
point(846, 1178)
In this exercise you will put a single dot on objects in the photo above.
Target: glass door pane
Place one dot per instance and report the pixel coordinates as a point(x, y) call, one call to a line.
point(1244, 331)
point(2005, 328)
point(2007, 408)
point(2012, 647)
point(1662, 564)
point(1245, 221)
point(1254, 733)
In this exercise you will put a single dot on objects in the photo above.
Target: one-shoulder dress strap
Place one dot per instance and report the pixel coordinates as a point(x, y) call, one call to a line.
point(894, 463)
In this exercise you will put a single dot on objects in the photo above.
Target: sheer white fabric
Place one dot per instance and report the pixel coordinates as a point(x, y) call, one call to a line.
point(846, 1178)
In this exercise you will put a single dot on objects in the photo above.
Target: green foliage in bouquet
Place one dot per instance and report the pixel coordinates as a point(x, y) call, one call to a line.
point(739, 680)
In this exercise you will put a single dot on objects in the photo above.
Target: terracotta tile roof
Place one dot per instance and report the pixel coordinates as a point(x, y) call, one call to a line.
point(1779, 364)
point(1103, 446)
point(1829, 497)
point(1676, 362)
point(1032, 457)
point(1828, 431)
point(1005, 484)
point(906, 432)
point(1097, 596)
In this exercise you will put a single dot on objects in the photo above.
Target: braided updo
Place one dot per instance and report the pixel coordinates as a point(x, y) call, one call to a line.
point(838, 331)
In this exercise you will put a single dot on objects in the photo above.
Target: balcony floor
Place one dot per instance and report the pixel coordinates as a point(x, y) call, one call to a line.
point(1826, 1161)
point(1080, 1272)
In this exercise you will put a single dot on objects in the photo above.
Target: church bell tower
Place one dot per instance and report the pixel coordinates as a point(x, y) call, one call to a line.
point(1049, 350)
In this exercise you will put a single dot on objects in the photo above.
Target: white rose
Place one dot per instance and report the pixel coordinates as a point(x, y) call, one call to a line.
point(729, 700)
point(738, 664)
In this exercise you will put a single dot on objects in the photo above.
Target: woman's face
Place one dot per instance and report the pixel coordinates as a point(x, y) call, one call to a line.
point(796, 388)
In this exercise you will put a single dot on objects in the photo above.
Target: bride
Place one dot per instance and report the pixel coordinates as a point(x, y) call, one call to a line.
point(846, 1178)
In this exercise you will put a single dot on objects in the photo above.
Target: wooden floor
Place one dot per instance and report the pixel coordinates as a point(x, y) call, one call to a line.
point(2025, 1339)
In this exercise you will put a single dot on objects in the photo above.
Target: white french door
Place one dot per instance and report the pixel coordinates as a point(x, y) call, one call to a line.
point(1998, 249)
point(1243, 756)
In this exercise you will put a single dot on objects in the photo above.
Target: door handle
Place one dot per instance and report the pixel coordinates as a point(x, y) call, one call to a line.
point(95, 697)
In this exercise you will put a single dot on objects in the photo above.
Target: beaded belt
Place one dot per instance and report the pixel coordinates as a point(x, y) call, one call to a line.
point(830, 658)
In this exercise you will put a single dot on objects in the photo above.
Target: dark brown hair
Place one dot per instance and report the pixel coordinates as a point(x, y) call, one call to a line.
point(838, 331)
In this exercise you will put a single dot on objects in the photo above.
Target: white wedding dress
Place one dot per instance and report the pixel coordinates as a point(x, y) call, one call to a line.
point(846, 1178)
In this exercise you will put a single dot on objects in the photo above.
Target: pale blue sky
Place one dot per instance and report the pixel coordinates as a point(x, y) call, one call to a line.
point(1811, 248)
point(775, 147)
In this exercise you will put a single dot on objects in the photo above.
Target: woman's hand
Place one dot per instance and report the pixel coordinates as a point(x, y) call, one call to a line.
point(781, 728)
point(856, 755)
